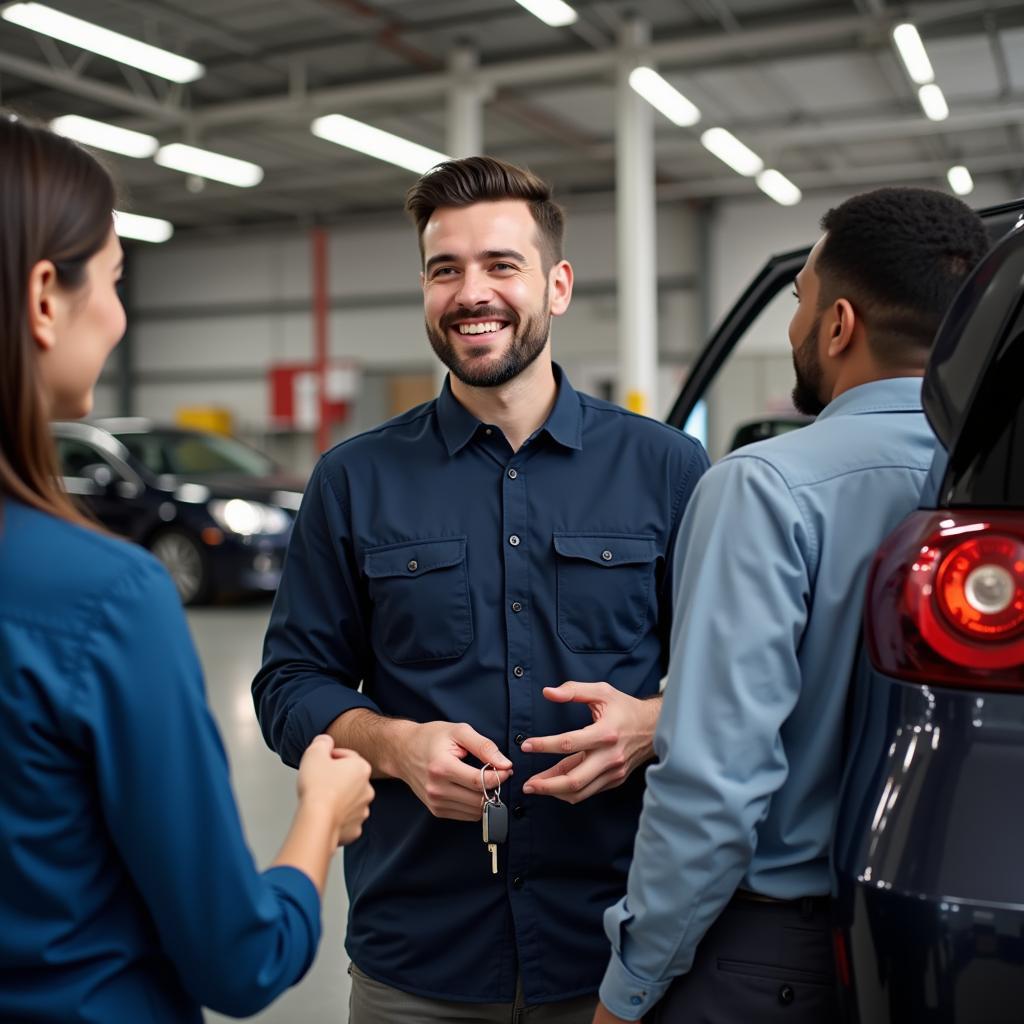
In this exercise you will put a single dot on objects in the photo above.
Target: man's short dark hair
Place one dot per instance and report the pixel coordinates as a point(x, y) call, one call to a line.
point(899, 255)
point(481, 179)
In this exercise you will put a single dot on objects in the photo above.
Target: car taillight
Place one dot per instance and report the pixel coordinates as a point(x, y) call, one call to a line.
point(946, 600)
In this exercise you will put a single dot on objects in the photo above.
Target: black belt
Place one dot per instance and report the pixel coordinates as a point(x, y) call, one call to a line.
point(805, 904)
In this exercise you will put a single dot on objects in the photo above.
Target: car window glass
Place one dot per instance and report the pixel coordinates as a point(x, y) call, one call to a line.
point(755, 382)
point(192, 455)
point(75, 455)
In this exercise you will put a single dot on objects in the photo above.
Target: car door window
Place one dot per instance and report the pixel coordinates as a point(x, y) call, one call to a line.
point(75, 455)
point(756, 380)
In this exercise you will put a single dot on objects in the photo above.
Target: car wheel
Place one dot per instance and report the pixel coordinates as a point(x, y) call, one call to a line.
point(185, 561)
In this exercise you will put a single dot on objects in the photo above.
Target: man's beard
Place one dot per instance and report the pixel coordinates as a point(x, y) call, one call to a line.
point(809, 377)
point(528, 340)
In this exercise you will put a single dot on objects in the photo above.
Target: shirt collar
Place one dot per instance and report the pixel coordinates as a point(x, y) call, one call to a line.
point(893, 394)
point(564, 424)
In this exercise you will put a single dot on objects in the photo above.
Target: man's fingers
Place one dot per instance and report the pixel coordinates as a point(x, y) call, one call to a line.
point(590, 737)
point(575, 787)
point(555, 775)
point(485, 750)
point(468, 777)
point(582, 693)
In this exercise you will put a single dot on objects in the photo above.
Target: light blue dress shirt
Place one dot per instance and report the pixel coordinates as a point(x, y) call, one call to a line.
point(770, 571)
point(127, 892)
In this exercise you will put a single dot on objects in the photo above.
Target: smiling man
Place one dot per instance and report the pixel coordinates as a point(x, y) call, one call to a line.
point(493, 569)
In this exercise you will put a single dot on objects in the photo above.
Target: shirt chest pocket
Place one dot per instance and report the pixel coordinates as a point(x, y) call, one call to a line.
point(420, 594)
point(604, 589)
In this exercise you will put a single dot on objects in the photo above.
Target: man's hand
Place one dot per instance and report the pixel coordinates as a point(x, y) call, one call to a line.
point(602, 755)
point(431, 764)
point(602, 1015)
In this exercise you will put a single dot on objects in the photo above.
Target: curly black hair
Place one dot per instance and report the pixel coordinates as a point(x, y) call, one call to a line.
point(899, 255)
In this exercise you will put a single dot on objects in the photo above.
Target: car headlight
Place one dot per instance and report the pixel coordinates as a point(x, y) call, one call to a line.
point(247, 518)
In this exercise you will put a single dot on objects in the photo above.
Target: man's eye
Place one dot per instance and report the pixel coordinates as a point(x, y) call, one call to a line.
point(504, 266)
point(442, 271)
point(795, 294)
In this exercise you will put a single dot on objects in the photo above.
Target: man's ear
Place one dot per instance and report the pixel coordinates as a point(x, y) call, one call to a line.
point(559, 287)
point(43, 304)
point(844, 322)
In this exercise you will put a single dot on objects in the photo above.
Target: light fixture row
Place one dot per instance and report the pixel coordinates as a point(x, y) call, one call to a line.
point(919, 68)
point(374, 142)
point(179, 157)
point(87, 36)
point(667, 99)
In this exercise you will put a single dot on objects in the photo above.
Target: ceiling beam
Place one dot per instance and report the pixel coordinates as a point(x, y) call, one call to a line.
point(80, 85)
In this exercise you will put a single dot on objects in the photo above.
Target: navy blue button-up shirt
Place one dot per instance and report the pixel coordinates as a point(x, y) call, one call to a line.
point(435, 574)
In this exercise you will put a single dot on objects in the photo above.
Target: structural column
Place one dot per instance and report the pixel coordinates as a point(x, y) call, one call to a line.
point(465, 129)
point(635, 212)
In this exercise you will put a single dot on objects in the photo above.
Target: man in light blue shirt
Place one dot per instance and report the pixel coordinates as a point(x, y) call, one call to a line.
point(726, 914)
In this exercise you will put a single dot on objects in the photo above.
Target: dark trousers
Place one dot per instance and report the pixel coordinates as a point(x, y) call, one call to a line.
point(759, 963)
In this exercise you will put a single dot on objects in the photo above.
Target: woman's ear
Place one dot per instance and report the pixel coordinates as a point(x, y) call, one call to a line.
point(43, 304)
point(843, 324)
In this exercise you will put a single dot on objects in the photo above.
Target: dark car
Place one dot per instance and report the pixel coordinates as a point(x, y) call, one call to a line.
point(216, 512)
point(928, 856)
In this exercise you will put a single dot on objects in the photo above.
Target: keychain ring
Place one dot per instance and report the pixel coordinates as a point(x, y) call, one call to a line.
point(488, 798)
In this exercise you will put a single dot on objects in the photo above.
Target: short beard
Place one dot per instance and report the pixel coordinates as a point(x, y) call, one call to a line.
point(528, 341)
point(809, 376)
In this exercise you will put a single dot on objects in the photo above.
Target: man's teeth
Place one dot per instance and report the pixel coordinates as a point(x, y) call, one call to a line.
point(488, 328)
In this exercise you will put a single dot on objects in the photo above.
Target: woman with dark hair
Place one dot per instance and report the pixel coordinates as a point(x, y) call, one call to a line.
point(127, 892)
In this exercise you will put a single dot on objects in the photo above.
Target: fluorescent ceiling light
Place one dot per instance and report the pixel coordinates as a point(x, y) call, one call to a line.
point(913, 54)
point(364, 138)
point(960, 180)
point(215, 166)
point(87, 36)
point(145, 229)
point(664, 96)
point(933, 103)
point(552, 12)
point(100, 135)
point(730, 150)
point(779, 188)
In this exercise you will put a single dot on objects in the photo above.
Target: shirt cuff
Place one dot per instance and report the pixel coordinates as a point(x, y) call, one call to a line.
point(311, 715)
point(298, 888)
point(626, 995)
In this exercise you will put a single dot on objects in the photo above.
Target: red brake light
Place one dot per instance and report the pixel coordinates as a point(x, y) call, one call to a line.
point(980, 586)
point(946, 600)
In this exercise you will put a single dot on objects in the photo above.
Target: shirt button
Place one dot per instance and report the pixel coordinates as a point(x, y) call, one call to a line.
point(516, 606)
point(519, 672)
point(517, 882)
point(635, 1000)
point(786, 995)
point(519, 739)
point(518, 811)
point(413, 565)
point(488, 431)
point(514, 540)
point(606, 555)
point(512, 474)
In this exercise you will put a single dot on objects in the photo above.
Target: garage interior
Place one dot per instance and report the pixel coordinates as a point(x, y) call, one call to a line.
point(306, 269)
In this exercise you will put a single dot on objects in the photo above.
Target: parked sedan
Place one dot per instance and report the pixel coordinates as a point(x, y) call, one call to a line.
point(216, 512)
point(929, 844)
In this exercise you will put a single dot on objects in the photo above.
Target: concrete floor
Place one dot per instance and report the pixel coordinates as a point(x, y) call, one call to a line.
point(229, 640)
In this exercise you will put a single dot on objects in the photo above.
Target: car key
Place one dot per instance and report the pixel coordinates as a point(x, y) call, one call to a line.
point(495, 822)
point(494, 818)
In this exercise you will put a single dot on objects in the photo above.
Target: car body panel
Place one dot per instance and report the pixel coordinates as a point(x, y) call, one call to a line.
point(143, 506)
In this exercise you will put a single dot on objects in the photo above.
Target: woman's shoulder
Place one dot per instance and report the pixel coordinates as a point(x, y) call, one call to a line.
point(50, 564)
